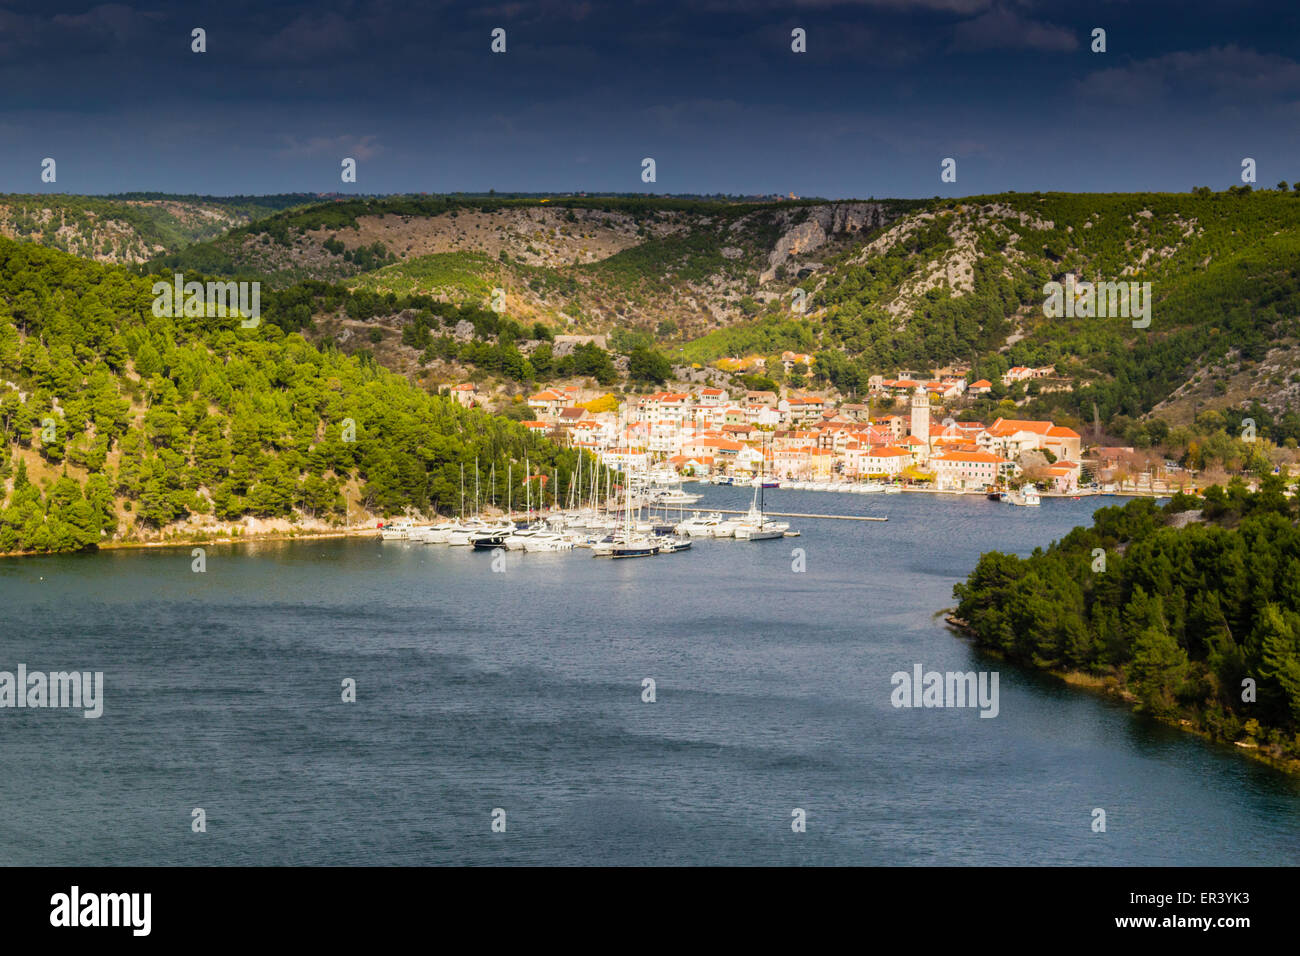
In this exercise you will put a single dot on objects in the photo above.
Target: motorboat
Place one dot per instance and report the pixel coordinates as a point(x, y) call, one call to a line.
point(548, 541)
point(637, 546)
point(674, 497)
point(490, 538)
point(399, 530)
point(726, 529)
point(460, 533)
point(699, 526)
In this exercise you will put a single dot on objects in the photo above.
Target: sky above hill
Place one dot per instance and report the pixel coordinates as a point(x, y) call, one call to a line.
point(711, 90)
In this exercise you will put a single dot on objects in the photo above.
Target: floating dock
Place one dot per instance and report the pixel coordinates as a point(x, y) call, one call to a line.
point(795, 514)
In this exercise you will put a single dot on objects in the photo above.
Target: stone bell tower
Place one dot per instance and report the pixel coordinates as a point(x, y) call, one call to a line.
point(921, 417)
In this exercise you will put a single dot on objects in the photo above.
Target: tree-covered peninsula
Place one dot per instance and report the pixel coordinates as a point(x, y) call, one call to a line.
point(1190, 611)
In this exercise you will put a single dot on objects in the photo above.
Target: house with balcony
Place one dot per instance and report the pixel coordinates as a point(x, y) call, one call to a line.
point(965, 470)
point(546, 404)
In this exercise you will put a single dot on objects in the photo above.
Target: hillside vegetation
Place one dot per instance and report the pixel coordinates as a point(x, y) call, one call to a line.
point(121, 425)
point(131, 227)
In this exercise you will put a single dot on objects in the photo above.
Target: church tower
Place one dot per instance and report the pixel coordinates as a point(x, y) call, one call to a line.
point(921, 417)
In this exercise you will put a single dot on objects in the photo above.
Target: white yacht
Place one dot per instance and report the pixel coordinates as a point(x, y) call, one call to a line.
point(726, 529)
point(700, 526)
point(460, 533)
point(433, 534)
point(398, 530)
point(491, 536)
point(548, 541)
point(675, 496)
point(518, 539)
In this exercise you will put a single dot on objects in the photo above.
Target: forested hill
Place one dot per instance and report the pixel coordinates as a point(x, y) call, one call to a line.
point(1191, 610)
point(887, 285)
point(120, 425)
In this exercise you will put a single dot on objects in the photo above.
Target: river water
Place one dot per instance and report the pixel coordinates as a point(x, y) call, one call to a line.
point(521, 690)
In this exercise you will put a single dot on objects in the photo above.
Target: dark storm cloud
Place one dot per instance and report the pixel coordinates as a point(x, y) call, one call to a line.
point(711, 90)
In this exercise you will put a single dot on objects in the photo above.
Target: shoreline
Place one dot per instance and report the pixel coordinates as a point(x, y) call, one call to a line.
point(200, 539)
point(1107, 687)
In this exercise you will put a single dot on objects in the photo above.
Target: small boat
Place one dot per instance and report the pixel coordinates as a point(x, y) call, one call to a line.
point(677, 497)
point(670, 545)
point(763, 532)
point(1031, 497)
point(893, 489)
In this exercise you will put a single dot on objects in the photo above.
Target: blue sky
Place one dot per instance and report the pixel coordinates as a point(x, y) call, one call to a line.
point(711, 90)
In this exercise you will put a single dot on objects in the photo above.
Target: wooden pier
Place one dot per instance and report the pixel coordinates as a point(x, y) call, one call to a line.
point(795, 514)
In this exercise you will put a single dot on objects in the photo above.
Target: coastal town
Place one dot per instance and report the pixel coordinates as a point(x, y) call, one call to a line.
point(912, 433)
